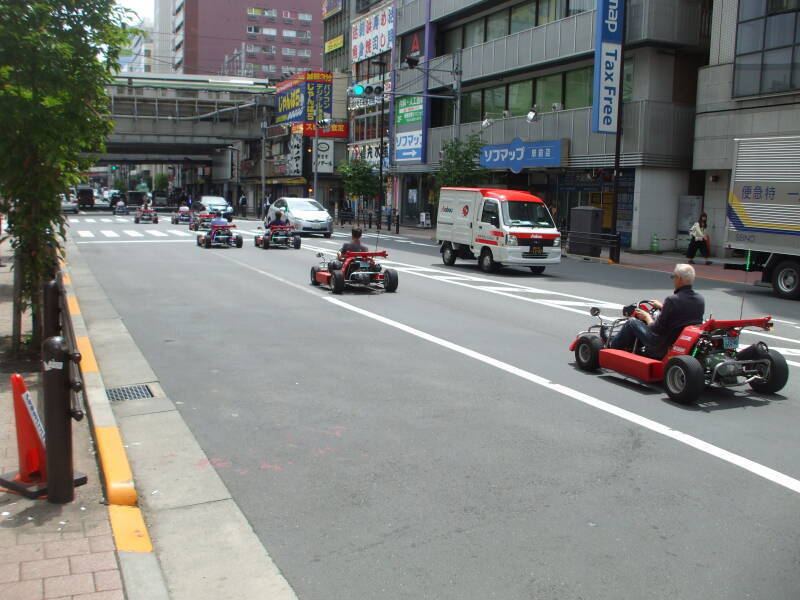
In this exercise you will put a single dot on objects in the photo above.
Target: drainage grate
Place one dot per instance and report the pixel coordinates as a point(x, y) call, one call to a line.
point(130, 392)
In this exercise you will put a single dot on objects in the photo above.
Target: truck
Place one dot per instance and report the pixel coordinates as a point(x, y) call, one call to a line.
point(85, 195)
point(497, 227)
point(763, 210)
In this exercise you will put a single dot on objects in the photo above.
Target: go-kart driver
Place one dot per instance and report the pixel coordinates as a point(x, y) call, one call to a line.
point(278, 221)
point(217, 221)
point(684, 307)
point(354, 245)
point(183, 208)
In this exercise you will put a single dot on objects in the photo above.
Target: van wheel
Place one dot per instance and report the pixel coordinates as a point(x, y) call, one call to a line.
point(487, 262)
point(537, 270)
point(448, 254)
point(786, 280)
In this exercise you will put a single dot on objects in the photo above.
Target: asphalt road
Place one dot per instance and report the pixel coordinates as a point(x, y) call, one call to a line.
point(439, 442)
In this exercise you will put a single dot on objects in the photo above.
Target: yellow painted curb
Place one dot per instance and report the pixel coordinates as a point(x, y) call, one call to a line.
point(73, 306)
point(130, 530)
point(116, 468)
point(66, 278)
point(88, 361)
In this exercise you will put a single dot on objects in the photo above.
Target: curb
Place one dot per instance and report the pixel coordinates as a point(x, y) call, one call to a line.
point(139, 566)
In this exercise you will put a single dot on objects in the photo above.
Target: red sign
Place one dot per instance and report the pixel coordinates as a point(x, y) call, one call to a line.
point(299, 78)
point(336, 130)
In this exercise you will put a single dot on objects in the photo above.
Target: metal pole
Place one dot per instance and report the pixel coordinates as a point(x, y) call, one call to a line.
point(57, 421)
point(263, 175)
point(381, 124)
point(614, 251)
point(458, 93)
point(52, 310)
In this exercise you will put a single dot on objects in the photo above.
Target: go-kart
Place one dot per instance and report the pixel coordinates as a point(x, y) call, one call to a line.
point(145, 214)
point(182, 216)
point(220, 236)
point(354, 270)
point(121, 210)
point(278, 236)
point(689, 360)
point(201, 220)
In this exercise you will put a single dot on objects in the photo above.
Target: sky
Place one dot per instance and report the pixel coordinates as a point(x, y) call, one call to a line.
point(143, 7)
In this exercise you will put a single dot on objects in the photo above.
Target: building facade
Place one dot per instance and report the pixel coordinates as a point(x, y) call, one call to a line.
point(246, 38)
point(750, 89)
point(494, 63)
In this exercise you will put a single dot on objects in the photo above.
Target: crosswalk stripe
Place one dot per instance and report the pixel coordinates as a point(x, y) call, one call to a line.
point(109, 234)
point(133, 233)
point(74, 220)
point(86, 234)
point(156, 233)
point(106, 220)
point(178, 232)
point(89, 220)
point(119, 220)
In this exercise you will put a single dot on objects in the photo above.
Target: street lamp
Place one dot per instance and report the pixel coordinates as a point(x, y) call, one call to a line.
point(382, 126)
point(236, 179)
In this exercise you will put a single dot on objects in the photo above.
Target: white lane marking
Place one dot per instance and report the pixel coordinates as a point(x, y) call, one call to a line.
point(787, 351)
point(135, 241)
point(785, 322)
point(133, 233)
point(89, 220)
point(691, 441)
point(179, 232)
point(155, 233)
point(769, 335)
point(119, 220)
point(794, 364)
point(109, 234)
point(106, 220)
point(85, 234)
point(74, 220)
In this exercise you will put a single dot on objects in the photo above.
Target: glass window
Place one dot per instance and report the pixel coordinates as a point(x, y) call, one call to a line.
point(747, 75)
point(578, 6)
point(548, 92)
point(523, 16)
point(547, 12)
point(780, 30)
point(494, 100)
point(290, 33)
point(520, 98)
point(527, 214)
point(774, 6)
point(578, 88)
point(471, 107)
point(750, 9)
point(627, 80)
point(776, 73)
point(490, 213)
point(796, 68)
point(473, 33)
point(750, 36)
point(452, 40)
point(497, 25)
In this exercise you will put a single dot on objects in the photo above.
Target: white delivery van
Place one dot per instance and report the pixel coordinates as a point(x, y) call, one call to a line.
point(497, 227)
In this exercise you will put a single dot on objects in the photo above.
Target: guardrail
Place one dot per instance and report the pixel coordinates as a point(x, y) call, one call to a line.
point(591, 244)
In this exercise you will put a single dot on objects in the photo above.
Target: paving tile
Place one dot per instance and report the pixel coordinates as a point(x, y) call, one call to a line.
point(89, 563)
point(109, 595)
point(22, 553)
point(66, 548)
point(22, 590)
point(68, 585)
point(39, 569)
point(97, 527)
point(101, 543)
point(9, 573)
point(107, 580)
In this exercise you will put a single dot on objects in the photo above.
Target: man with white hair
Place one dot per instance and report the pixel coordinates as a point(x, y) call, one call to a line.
point(684, 307)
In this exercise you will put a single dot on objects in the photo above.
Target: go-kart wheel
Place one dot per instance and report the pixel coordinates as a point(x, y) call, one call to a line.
point(684, 379)
point(587, 353)
point(239, 241)
point(337, 281)
point(778, 375)
point(537, 270)
point(207, 241)
point(296, 242)
point(256, 240)
point(487, 262)
point(155, 221)
point(448, 254)
point(326, 235)
point(390, 280)
point(199, 243)
point(135, 219)
point(314, 271)
point(265, 242)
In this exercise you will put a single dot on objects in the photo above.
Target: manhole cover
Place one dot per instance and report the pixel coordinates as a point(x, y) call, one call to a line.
point(130, 392)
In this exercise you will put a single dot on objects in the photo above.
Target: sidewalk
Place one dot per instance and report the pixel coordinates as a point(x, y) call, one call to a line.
point(666, 262)
point(50, 550)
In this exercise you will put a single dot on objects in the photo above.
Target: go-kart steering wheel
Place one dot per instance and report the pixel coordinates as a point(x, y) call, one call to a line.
point(647, 306)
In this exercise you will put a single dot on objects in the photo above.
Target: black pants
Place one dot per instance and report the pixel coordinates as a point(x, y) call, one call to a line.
point(696, 245)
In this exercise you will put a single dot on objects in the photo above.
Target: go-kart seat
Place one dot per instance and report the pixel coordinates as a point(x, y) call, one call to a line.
point(659, 352)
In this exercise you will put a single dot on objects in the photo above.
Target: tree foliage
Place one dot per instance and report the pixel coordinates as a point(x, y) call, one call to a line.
point(359, 179)
point(460, 163)
point(161, 182)
point(55, 59)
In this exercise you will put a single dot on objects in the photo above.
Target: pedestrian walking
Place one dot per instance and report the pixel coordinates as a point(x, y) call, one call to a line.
point(242, 205)
point(267, 202)
point(698, 240)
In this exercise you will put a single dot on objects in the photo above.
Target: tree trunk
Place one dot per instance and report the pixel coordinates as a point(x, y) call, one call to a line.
point(16, 311)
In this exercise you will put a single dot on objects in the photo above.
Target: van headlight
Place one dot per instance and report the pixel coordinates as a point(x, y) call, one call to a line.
point(512, 240)
point(557, 242)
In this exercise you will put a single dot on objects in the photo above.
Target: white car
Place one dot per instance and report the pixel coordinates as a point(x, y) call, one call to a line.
point(68, 203)
point(306, 214)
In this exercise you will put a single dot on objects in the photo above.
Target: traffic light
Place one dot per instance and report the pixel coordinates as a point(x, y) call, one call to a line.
point(365, 91)
point(114, 167)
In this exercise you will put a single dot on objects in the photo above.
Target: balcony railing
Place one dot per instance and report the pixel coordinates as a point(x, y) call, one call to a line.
point(656, 134)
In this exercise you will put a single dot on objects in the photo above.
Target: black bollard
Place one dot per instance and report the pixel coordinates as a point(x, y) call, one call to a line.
point(52, 310)
point(57, 421)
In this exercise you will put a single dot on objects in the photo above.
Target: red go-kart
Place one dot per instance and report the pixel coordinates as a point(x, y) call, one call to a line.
point(693, 358)
point(355, 270)
point(182, 216)
point(201, 220)
point(283, 236)
point(145, 214)
point(220, 236)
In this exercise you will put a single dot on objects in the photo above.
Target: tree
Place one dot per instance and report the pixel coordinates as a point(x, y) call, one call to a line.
point(119, 184)
point(460, 163)
point(161, 182)
point(359, 179)
point(55, 59)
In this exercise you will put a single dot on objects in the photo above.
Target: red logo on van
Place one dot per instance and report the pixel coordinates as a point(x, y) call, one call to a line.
point(465, 210)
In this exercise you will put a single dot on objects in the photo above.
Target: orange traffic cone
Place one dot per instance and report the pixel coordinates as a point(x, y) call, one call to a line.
point(31, 479)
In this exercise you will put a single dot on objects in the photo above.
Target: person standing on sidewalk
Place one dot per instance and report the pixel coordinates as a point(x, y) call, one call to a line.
point(698, 240)
point(242, 205)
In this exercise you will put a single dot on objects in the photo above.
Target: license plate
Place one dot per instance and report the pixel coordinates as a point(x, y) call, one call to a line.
point(537, 250)
point(730, 343)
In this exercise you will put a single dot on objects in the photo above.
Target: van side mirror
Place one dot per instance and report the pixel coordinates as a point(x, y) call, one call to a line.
point(594, 311)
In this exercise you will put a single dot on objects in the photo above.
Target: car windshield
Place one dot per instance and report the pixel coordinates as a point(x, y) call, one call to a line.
point(305, 205)
point(527, 214)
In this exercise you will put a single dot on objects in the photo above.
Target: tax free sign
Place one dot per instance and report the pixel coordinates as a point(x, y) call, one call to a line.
point(608, 65)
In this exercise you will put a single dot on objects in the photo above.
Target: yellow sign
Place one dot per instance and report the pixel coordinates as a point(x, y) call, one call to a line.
point(334, 44)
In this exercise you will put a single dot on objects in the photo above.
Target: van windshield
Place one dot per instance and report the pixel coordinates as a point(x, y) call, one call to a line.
point(527, 214)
